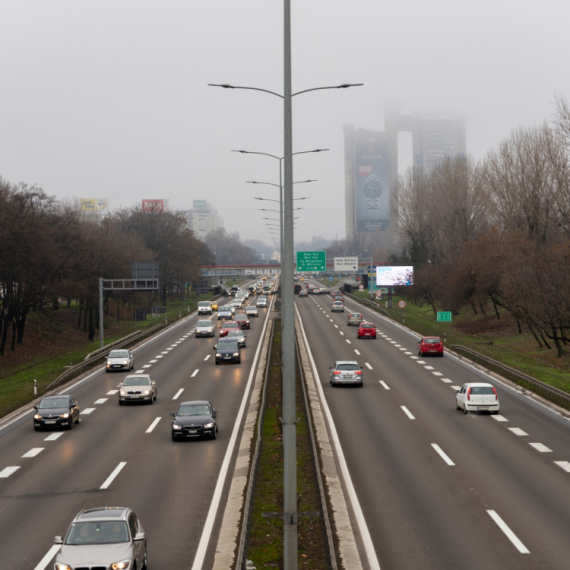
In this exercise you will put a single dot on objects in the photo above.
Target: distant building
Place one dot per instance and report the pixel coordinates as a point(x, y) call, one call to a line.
point(202, 219)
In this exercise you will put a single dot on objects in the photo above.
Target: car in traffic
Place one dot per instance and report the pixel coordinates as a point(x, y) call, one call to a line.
point(194, 419)
point(228, 326)
point(242, 320)
point(238, 336)
point(303, 293)
point(227, 351)
point(366, 330)
point(214, 305)
point(233, 290)
point(225, 313)
point(354, 319)
point(103, 538)
point(61, 410)
point(205, 327)
point(138, 388)
point(205, 308)
point(337, 306)
point(252, 311)
point(237, 303)
point(347, 372)
point(430, 345)
point(119, 359)
point(316, 291)
point(262, 302)
point(477, 397)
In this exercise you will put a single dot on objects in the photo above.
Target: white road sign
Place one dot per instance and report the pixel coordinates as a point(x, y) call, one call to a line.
point(345, 264)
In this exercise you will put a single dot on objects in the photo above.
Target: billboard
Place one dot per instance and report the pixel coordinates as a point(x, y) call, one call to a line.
point(94, 204)
point(345, 264)
point(200, 204)
point(371, 181)
point(155, 205)
point(394, 276)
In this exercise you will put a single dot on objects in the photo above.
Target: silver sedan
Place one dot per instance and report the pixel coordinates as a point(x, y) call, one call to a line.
point(138, 388)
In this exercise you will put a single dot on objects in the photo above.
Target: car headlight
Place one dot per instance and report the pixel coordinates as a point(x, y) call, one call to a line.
point(60, 566)
point(236, 353)
point(209, 426)
point(123, 393)
point(176, 426)
point(121, 565)
point(125, 362)
point(146, 392)
point(64, 416)
point(37, 417)
point(218, 355)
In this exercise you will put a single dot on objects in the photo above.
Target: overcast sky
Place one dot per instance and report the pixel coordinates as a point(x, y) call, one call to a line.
point(109, 98)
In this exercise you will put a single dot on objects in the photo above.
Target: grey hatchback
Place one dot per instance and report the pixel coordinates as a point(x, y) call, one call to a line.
point(105, 537)
point(346, 372)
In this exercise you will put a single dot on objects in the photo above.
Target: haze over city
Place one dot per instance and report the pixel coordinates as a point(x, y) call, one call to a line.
point(111, 99)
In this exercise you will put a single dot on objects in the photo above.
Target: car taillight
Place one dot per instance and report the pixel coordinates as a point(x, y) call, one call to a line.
point(496, 397)
point(336, 372)
point(469, 394)
point(359, 372)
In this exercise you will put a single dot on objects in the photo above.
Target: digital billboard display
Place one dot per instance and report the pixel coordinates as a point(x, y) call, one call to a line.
point(393, 276)
point(371, 182)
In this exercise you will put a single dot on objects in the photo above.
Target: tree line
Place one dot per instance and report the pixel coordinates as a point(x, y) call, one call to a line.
point(51, 251)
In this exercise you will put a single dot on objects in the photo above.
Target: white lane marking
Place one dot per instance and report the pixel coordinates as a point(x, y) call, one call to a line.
point(153, 361)
point(336, 326)
point(177, 395)
point(384, 336)
point(500, 418)
point(165, 352)
point(153, 425)
point(420, 361)
point(388, 338)
point(368, 366)
point(159, 356)
point(168, 350)
point(456, 388)
point(407, 353)
point(405, 349)
point(172, 346)
point(111, 392)
point(87, 411)
point(563, 464)
point(509, 533)
point(341, 333)
point(435, 373)
point(139, 372)
point(442, 454)
point(7, 471)
point(331, 320)
point(428, 367)
point(48, 557)
point(111, 477)
point(384, 384)
point(348, 341)
point(147, 365)
point(540, 447)
point(518, 431)
point(177, 342)
point(407, 412)
point(207, 357)
point(397, 345)
point(33, 452)
point(53, 436)
point(392, 342)
point(414, 357)
point(194, 373)
point(446, 380)
point(357, 352)
point(100, 401)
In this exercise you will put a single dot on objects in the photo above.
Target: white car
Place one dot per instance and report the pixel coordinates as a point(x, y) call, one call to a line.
point(251, 311)
point(262, 302)
point(205, 328)
point(205, 308)
point(120, 359)
point(477, 397)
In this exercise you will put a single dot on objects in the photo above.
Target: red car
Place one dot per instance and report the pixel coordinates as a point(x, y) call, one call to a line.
point(242, 321)
point(366, 330)
point(430, 345)
point(229, 326)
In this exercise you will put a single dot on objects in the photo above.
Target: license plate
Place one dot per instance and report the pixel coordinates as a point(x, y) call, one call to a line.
point(227, 357)
point(192, 431)
point(50, 422)
point(133, 397)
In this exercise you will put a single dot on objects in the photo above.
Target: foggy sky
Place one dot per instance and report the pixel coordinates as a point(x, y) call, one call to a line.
point(109, 98)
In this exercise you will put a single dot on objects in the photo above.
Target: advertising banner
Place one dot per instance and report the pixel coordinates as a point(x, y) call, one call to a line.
point(200, 204)
point(345, 264)
point(94, 204)
point(154, 205)
point(394, 276)
point(371, 182)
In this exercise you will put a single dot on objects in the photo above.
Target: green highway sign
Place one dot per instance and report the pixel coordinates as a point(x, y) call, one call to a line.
point(311, 261)
point(444, 316)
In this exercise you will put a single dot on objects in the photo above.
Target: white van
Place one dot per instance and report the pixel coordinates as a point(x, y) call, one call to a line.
point(204, 308)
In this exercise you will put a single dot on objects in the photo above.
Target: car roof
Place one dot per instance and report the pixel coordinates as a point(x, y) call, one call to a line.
point(56, 397)
point(138, 376)
point(478, 384)
point(103, 513)
point(192, 402)
point(346, 362)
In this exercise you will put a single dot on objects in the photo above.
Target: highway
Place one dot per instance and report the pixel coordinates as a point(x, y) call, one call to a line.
point(124, 456)
point(439, 489)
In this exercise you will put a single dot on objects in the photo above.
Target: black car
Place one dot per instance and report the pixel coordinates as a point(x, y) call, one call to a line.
point(56, 411)
point(227, 351)
point(194, 419)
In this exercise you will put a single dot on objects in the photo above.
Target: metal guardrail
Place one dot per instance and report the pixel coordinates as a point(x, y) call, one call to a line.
point(550, 393)
point(116, 344)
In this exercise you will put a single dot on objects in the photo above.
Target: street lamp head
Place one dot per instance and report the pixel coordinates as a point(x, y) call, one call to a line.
point(224, 85)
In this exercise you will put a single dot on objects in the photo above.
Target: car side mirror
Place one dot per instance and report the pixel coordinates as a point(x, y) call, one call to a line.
point(173, 414)
point(215, 347)
point(330, 367)
point(35, 408)
point(139, 536)
point(58, 540)
point(120, 385)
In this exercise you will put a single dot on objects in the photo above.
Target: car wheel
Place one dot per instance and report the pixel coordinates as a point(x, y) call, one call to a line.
point(151, 401)
point(214, 434)
point(36, 428)
point(361, 385)
point(106, 371)
point(145, 560)
point(465, 409)
point(173, 437)
point(70, 426)
point(217, 362)
point(121, 402)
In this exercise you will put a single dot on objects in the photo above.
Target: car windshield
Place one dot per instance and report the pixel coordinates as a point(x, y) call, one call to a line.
point(348, 366)
point(233, 345)
point(230, 326)
point(57, 403)
point(432, 340)
point(367, 326)
point(97, 532)
point(204, 324)
point(355, 315)
point(225, 308)
point(136, 381)
point(204, 304)
point(119, 354)
point(194, 410)
point(235, 333)
point(482, 390)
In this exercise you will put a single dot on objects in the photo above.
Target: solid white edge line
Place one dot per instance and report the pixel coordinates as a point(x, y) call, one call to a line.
point(111, 477)
point(509, 533)
point(442, 454)
point(48, 557)
point(153, 425)
point(214, 505)
point(362, 526)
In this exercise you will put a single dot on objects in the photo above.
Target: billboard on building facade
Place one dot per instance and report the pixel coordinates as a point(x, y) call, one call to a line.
point(200, 204)
point(371, 182)
point(94, 204)
point(155, 205)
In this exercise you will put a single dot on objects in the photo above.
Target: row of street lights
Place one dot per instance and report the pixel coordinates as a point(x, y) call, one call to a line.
point(290, 514)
